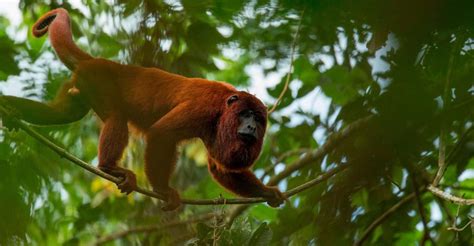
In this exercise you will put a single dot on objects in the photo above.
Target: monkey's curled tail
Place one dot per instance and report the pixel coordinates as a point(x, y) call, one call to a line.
point(59, 26)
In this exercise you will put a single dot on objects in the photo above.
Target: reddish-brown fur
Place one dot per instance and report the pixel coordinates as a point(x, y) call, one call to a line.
point(167, 108)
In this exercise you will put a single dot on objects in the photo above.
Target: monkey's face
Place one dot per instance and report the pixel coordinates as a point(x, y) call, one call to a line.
point(240, 131)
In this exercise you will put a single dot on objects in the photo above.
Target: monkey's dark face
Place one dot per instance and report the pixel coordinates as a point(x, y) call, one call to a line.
point(240, 131)
point(247, 129)
point(247, 116)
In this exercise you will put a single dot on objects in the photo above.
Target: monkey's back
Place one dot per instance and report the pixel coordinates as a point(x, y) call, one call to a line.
point(143, 95)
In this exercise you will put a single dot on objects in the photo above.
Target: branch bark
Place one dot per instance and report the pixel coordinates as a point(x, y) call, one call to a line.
point(451, 198)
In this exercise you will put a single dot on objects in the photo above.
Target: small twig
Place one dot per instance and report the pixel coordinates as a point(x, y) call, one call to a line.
point(331, 143)
point(319, 179)
point(290, 70)
point(281, 158)
point(426, 229)
point(454, 228)
point(442, 204)
point(439, 174)
point(151, 228)
point(448, 197)
point(454, 222)
point(383, 217)
point(442, 164)
point(441, 159)
point(457, 147)
point(327, 147)
point(400, 189)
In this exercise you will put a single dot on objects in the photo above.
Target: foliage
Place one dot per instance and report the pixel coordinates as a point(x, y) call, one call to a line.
point(409, 63)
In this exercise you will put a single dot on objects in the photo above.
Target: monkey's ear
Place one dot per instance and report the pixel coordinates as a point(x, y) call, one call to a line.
point(232, 99)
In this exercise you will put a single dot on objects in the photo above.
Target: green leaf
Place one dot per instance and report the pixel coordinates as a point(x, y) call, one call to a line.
point(307, 73)
point(261, 236)
point(263, 212)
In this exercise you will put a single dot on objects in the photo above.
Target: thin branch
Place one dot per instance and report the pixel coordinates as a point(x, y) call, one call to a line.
point(332, 142)
point(451, 198)
point(438, 192)
point(426, 229)
point(462, 140)
point(151, 228)
point(442, 204)
point(292, 59)
point(462, 228)
point(383, 217)
point(442, 164)
point(236, 211)
point(63, 153)
point(441, 158)
point(321, 178)
point(281, 158)
point(322, 151)
point(454, 223)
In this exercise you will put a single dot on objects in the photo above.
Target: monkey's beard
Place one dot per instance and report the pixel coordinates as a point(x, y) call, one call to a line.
point(234, 153)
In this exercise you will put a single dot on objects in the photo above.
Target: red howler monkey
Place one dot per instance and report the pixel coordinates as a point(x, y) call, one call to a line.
point(166, 107)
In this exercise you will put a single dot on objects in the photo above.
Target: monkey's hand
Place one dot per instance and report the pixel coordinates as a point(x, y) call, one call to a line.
point(173, 200)
point(274, 196)
point(128, 182)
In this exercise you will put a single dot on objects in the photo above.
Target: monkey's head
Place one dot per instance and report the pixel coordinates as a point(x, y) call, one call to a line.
point(240, 131)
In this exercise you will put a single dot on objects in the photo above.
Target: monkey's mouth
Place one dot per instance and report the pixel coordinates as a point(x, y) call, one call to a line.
point(248, 137)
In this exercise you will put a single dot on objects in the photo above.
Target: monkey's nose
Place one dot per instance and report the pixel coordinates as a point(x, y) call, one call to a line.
point(248, 133)
point(251, 128)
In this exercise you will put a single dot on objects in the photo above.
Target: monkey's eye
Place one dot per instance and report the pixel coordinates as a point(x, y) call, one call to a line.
point(232, 99)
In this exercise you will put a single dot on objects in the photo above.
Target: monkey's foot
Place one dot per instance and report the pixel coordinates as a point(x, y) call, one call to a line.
point(173, 200)
point(274, 197)
point(128, 182)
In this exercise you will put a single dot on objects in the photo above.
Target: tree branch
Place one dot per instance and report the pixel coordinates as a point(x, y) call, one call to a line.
point(382, 218)
point(442, 163)
point(268, 169)
point(451, 198)
point(322, 151)
point(310, 157)
point(421, 211)
point(440, 193)
point(63, 153)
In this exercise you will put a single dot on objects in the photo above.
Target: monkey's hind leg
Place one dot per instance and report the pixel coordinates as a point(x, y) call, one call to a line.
point(113, 140)
point(160, 159)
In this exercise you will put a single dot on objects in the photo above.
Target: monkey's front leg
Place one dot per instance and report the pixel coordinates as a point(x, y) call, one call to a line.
point(113, 140)
point(160, 153)
point(246, 184)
